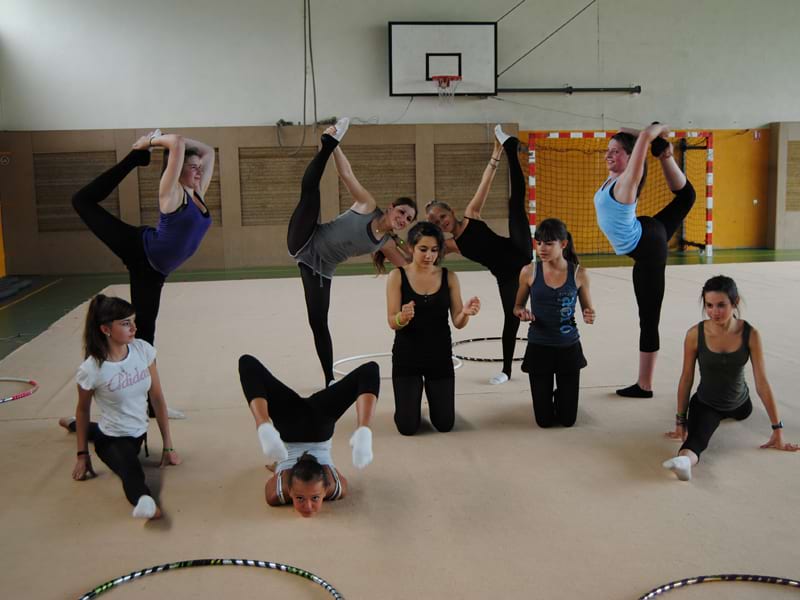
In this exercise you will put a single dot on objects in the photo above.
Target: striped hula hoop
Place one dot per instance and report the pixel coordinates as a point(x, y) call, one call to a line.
point(484, 339)
point(24, 394)
point(212, 562)
point(674, 585)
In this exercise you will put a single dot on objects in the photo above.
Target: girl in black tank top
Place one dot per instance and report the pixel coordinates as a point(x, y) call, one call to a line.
point(721, 345)
point(503, 256)
point(419, 298)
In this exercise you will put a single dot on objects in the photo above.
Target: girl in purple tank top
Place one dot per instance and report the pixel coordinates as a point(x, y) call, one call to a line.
point(148, 253)
point(554, 285)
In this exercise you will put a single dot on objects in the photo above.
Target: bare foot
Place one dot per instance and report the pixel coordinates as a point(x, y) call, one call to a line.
point(157, 515)
point(65, 422)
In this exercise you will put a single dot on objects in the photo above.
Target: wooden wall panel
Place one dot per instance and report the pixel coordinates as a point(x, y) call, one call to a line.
point(57, 177)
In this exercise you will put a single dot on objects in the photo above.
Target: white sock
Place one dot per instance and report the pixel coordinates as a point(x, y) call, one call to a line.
point(341, 128)
point(271, 443)
point(145, 508)
point(681, 466)
point(499, 378)
point(501, 135)
point(175, 414)
point(361, 442)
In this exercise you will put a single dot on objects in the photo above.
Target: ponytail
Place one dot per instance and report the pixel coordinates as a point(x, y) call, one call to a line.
point(102, 311)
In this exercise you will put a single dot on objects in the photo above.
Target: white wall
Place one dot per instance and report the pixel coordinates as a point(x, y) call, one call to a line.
point(101, 64)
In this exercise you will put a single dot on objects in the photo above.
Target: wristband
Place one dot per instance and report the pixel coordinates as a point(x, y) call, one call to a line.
point(83, 453)
point(397, 320)
point(778, 425)
point(165, 450)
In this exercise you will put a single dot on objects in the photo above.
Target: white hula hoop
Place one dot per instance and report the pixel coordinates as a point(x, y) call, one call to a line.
point(457, 362)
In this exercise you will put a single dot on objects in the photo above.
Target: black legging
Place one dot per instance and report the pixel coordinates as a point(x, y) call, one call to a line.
point(559, 407)
point(309, 419)
point(519, 229)
point(317, 289)
point(125, 241)
point(650, 256)
point(508, 296)
point(441, 394)
point(519, 232)
point(121, 455)
point(703, 421)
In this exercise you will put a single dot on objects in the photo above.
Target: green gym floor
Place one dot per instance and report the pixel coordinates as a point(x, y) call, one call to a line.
point(29, 313)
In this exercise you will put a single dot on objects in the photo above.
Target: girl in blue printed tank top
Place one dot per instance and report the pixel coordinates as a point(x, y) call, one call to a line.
point(642, 238)
point(319, 248)
point(554, 284)
point(721, 345)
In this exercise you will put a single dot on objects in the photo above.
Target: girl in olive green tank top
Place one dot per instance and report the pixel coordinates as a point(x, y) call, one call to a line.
point(722, 345)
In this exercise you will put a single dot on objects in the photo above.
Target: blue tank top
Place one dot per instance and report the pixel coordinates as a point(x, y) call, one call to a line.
point(176, 237)
point(553, 310)
point(616, 220)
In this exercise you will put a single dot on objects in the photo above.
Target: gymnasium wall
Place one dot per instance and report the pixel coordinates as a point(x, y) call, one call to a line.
point(109, 64)
point(255, 187)
point(784, 166)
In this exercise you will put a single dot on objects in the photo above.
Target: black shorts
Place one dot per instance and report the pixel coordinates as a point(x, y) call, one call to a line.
point(553, 359)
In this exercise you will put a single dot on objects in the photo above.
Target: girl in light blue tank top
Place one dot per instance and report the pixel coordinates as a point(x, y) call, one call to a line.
point(555, 285)
point(643, 238)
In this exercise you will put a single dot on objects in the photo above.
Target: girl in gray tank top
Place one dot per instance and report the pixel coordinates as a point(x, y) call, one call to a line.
point(721, 345)
point(319, 248)
point(555, 284)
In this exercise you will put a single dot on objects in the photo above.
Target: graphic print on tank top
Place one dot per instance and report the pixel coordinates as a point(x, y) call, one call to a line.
point(553, 310)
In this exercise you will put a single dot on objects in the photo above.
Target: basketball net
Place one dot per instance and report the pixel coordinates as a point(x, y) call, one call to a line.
point(446, 87)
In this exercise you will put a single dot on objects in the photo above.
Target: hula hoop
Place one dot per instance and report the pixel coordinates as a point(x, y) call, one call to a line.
point(484, 339)
point(212, 562)
point(674, 585)
point(24, 394)
point(457, 364)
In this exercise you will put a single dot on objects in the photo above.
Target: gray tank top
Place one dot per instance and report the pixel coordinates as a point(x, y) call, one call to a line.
point(334, 242)
point(722, 385)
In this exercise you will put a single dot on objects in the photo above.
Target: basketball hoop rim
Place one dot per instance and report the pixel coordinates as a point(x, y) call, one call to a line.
point(444, 81)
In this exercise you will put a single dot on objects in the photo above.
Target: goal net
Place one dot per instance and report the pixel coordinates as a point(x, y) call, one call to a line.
point(567, 167)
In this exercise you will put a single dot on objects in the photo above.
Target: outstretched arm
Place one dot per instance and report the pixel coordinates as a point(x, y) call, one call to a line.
point(473, 210)
point(394, 254)
point(628, 182)
point(764, 391)
point(460, 312)
point(168, 456)
point(685, 384)
point(520, 304)
point(585, 296)
point(363, 202)
point(83, 465)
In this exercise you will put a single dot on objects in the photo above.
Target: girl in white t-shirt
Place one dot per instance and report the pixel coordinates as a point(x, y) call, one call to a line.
point(118, 373)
